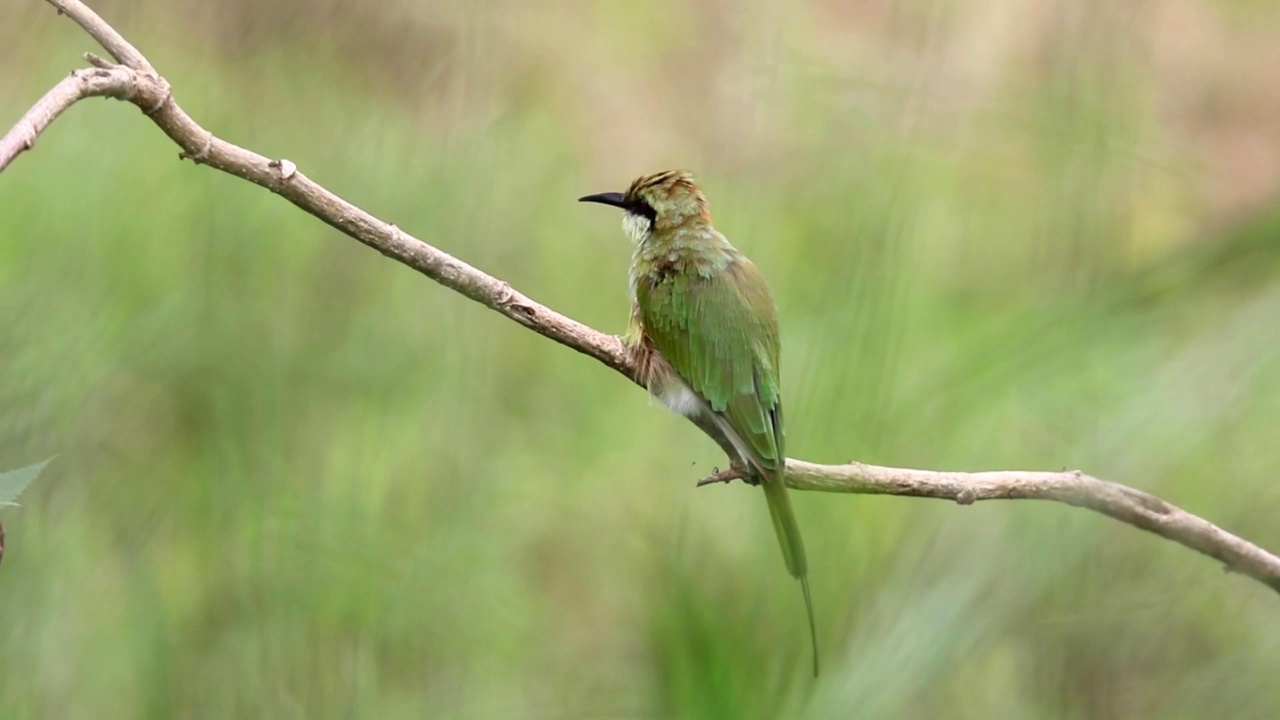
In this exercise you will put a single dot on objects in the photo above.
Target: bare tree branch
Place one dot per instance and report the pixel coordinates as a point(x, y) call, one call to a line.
point(135, 81)
point(1134, 507)
point(106, 36)
point(80, 84)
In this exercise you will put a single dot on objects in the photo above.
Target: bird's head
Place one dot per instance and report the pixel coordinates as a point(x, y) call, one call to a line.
point(663, 201)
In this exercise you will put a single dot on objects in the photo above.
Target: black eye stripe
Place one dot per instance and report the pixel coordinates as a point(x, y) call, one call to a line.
point(643, 209)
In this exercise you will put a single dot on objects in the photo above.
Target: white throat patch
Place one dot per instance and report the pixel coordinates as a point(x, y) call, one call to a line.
point(637, 227)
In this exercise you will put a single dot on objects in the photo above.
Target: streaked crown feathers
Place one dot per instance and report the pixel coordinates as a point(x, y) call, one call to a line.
point(659, 204)
point(670, 197)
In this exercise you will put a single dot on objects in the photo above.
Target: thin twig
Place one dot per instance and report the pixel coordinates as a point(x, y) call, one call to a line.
point(137, 82)
point(105, 35)
point(80, 84)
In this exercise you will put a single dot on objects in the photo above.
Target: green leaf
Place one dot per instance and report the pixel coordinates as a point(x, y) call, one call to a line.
point(13, 482)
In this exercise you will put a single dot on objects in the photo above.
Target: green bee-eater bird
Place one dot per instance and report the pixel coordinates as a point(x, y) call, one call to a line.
point(704, 331)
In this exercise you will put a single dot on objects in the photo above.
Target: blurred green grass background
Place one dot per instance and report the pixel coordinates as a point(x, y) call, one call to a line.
point(296, 480)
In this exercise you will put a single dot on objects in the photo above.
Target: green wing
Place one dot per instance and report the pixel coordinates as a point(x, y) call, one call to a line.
point(718, 329)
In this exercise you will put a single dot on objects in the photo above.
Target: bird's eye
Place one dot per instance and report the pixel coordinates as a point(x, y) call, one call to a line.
point(643, 209)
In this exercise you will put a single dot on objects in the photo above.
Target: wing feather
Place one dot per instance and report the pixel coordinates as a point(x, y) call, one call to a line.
point(718, 329)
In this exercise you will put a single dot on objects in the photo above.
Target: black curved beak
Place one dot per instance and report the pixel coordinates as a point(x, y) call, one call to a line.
point(610, 198)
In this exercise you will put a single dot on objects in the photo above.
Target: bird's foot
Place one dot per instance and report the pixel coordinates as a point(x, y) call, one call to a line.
point(736, 471)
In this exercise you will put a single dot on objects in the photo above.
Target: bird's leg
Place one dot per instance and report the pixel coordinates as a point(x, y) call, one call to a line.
point(737, 471)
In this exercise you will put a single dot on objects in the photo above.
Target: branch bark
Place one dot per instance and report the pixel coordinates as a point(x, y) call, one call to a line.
point(134, 80)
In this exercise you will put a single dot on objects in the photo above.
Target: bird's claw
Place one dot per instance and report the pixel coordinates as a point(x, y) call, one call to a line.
point(735, 472)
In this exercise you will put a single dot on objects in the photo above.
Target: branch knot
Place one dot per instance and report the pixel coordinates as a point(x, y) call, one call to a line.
point(164, 97)
point(200, 156)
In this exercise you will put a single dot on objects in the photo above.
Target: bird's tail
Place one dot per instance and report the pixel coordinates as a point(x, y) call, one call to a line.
point(788, 530)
